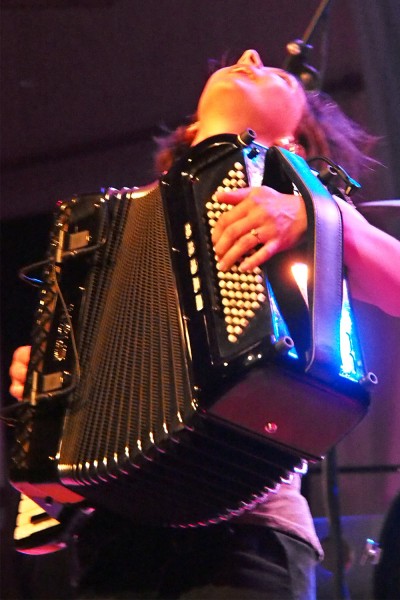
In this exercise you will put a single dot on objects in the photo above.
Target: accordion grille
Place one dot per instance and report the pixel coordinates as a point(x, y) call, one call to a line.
point(135, 384)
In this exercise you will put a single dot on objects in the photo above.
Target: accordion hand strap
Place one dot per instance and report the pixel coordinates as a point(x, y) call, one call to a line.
point(325, 263)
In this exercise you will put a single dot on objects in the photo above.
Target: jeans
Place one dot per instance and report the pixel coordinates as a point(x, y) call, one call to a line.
point(231, 560)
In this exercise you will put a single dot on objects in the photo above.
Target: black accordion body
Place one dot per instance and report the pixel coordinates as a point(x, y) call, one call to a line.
point(164, 389)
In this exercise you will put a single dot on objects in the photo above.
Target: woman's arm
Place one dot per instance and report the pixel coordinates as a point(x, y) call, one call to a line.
point(372, 258)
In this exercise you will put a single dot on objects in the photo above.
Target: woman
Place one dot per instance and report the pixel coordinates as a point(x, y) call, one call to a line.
point(271, 551)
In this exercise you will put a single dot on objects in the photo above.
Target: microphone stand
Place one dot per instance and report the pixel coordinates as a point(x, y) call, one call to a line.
point(296, 63)
point(332, 498)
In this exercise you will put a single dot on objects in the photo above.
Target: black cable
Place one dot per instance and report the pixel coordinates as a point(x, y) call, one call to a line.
point(335, 178)
point(23, 272)
point(7, 413)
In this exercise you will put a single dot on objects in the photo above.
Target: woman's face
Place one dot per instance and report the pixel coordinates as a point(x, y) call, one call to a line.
point(249, 95)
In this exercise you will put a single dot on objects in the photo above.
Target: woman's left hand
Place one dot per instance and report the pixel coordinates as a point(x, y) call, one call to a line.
point(18, 371)
point(261, 219)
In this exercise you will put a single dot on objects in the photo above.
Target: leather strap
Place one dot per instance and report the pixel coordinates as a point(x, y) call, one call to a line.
point(325, 264)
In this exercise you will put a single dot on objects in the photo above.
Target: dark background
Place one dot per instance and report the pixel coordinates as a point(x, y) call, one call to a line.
point(85, 87)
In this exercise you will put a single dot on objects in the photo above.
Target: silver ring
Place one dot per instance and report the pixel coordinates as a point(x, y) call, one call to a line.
point(255, 233)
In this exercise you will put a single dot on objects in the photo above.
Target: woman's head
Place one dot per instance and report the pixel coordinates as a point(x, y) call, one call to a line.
point(273, 104)
point(248, 94)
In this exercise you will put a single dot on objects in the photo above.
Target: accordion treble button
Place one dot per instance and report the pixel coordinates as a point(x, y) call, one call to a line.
point(191, 248)
point(193, 266)
point(199, 302)
point(188, 231)
point(196, 284)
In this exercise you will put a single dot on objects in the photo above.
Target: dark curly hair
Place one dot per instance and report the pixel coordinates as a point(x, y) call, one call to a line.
point(325, 130)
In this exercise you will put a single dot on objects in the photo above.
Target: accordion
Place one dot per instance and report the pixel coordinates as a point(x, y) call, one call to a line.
point(166, 390)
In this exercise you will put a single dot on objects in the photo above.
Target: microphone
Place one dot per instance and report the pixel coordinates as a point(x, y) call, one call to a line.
point(299, 49)
point(296, 63)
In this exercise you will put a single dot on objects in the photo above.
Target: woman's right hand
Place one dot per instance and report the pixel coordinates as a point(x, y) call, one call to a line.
point(18, 371)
